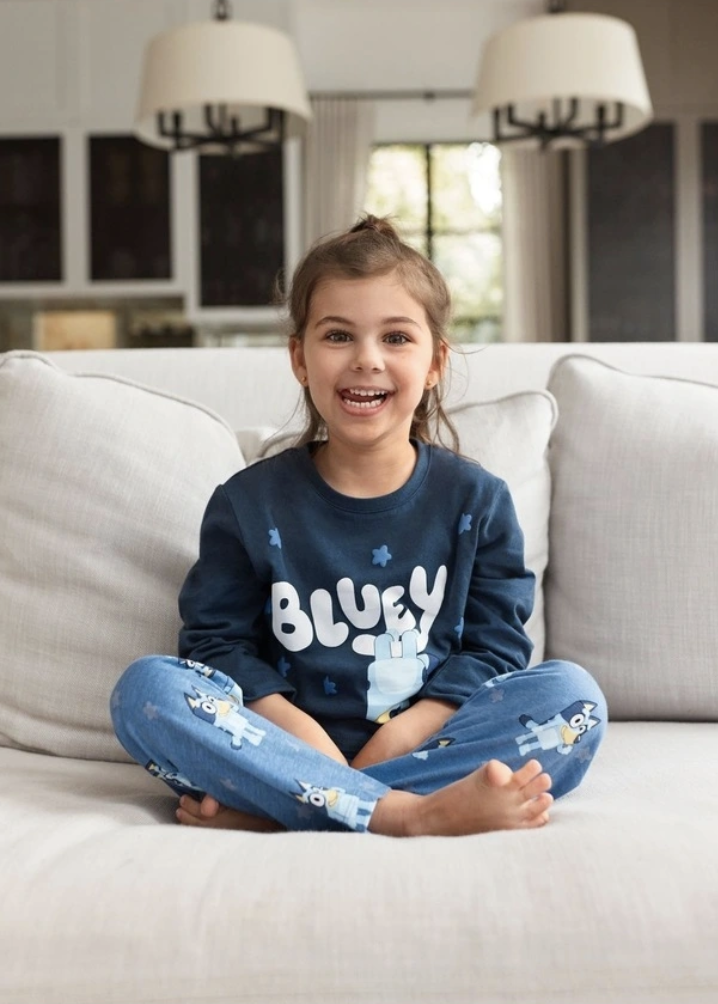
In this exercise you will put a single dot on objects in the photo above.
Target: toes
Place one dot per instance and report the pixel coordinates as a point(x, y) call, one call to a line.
point(536, 786)
point(186, 818)
point(210, 807)
point(530, 770)
point(536, 812)
point(190, 806)
point(496, 774)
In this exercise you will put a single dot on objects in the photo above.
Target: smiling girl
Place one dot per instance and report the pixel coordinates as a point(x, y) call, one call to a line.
point(353, 653)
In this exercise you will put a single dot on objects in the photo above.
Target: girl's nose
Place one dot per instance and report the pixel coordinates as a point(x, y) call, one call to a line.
point(367, 356)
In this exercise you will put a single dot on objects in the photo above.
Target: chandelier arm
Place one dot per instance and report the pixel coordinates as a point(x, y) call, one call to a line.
point(594, 134)
point(618, 116)
point(573, 108)
point(220, 133)
point(208, 114)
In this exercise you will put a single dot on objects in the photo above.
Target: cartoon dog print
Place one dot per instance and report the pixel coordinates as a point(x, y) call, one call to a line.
point(561, 733)
point(225, 715)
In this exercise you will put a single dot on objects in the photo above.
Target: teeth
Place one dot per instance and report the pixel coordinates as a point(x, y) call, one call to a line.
point(367, 404)
point(372, 398)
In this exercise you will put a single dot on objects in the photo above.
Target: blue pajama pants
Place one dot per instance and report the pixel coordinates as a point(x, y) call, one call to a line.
point(186, 724)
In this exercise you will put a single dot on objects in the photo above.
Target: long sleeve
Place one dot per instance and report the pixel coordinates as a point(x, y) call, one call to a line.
point(222, 606)
point(499, 600)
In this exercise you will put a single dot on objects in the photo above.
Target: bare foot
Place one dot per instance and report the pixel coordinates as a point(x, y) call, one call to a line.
point(211, 814)
point(491, 798)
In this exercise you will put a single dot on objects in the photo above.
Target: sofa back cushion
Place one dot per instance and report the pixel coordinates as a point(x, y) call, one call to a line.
point(632, 586)
point(103, 484)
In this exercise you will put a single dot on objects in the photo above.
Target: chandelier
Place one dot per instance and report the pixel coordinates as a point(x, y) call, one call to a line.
point(221, 86)
point(563, 79)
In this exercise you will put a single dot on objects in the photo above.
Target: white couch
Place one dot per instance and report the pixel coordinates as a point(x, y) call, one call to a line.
point(103, 900)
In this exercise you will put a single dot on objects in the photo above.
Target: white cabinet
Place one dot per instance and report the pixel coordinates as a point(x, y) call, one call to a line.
point(70, 70)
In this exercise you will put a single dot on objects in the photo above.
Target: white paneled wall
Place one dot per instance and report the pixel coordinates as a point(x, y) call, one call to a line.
point(77, 62)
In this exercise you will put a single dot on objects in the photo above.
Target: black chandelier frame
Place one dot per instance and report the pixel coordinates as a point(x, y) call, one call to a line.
point(222, 128)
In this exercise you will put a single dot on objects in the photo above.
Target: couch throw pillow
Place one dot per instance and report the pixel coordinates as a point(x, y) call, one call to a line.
point(632, 587)
point(510, 438)
point(103, 484)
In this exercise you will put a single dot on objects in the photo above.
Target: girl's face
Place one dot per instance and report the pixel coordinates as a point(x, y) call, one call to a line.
point(367, 357)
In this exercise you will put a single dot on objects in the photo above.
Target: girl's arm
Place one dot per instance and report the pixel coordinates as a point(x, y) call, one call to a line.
point(404, 733)
point(499, 600)
point(277, 709)
point(222, 606)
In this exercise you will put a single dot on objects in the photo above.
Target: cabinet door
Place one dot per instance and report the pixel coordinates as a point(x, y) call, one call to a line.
point(241, 219)
point(30, 217)
point(631, 238)
point(130, 236)
point(709, 157)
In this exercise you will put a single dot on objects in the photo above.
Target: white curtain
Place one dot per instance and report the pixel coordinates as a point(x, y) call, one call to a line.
point(535, 252)
point(336, 161)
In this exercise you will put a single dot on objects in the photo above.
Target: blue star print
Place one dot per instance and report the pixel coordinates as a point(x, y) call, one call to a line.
point(459, 628)
point(464, 522)
point(274, 539)
point(380, 555)
point(330, 686)
point(283, 666)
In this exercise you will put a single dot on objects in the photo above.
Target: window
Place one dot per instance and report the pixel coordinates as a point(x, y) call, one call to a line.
point(446, 201)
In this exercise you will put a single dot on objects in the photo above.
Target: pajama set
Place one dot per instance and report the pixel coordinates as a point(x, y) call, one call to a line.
point(354, 609)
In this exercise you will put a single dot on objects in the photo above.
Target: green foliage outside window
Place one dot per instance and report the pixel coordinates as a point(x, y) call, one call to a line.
point(445, 199)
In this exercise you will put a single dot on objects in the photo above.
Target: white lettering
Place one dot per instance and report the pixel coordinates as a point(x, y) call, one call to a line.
point(429, 601)
point(290, 624)
point(395, 614)
point(369, 616)
point(331, 634)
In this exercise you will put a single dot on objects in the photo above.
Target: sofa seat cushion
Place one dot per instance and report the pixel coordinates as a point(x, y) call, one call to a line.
point(103, 484)
point(616, 900)
point(632, 590)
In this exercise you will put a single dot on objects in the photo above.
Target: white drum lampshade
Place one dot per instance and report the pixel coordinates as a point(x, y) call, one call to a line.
point(223, 70)
point(564, 67)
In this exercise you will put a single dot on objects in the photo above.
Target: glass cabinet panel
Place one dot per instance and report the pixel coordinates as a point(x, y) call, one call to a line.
point(30, 213)
point(241, 218)
point(130, 236)
point(709, 148)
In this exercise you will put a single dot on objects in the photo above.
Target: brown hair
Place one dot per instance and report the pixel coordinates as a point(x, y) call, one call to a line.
point(373, 248)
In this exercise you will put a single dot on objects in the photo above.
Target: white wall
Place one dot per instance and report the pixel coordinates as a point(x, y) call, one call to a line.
point(66, 63)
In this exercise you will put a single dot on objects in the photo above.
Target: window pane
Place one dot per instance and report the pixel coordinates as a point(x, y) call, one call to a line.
point(397, 186)
point(466, 187)
point(471, 264)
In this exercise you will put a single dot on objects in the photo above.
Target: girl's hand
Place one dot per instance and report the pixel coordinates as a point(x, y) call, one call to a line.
point(404, 733)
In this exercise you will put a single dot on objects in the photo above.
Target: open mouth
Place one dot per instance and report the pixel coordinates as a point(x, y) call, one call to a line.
point(366, 399)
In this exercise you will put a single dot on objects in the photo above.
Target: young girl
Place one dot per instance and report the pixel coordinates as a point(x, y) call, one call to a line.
point(353, 654)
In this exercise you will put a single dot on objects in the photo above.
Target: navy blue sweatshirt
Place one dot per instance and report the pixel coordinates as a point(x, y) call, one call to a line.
point(355, 608)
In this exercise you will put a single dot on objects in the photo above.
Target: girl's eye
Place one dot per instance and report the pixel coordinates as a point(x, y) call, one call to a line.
point(396, 338)
point(338, 336)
